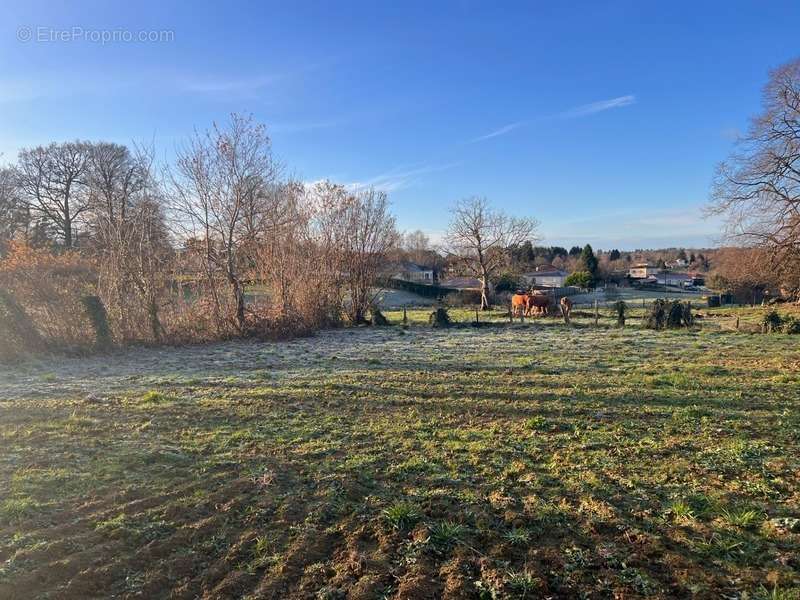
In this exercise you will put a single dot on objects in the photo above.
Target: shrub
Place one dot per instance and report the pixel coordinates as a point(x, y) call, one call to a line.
point(772, 322)
point(581, 279)
point(657, 316)
point(507, 282)
point(440, 318)
point(791, 326)
point(99, 320)
point(378, 318)
point(688, 317)
point(49, 289)
point(674, 315)
point(620, 308)
point(668, 314)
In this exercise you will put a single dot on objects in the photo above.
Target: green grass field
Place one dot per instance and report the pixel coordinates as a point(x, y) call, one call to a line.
point(504, 461)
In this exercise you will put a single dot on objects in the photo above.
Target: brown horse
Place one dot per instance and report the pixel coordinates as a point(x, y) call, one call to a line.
point(519, 305)
point(566, 308)
point(538, 303)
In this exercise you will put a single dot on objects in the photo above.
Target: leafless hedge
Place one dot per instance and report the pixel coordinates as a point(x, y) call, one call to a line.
point(174, 253)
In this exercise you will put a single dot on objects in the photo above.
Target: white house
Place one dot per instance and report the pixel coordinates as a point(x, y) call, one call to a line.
point(678, 263)
point(642, 271)
point(667, 278)
point(547, 277)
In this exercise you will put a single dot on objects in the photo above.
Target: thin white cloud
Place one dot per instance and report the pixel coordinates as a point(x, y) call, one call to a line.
point(49, 86)
point(498, 132)
point(579, 111)
point(596, 107)
point(399, 177)
point(249, 85)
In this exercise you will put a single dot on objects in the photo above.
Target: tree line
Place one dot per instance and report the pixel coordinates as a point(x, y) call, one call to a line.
point(171, 250)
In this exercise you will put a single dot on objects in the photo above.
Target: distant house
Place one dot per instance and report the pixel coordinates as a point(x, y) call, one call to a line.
point(409, 271)
point(697, 277)
point(642, 271)
point(674, 279)
point(546, 277)
point(678, 263)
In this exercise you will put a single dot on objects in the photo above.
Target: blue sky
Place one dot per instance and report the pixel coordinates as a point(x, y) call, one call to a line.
point(604, 120)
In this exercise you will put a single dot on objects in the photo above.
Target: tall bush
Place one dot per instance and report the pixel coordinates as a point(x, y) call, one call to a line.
point(49, 288)
point(668, 314)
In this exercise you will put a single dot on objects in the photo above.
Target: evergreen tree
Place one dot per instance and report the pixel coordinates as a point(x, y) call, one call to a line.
point(589, 260)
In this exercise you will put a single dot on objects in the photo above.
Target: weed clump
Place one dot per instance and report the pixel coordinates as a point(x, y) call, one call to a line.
point(772, 322)
point(440, 318)
point(537, 423)
point(446, 534)
point(620, 308)
point(657, 317)
point(402, 515)
point(98, 317)
point(791, 326)
point(666, 314)
point(153, 397)
point(378, 318)
point(674, 315)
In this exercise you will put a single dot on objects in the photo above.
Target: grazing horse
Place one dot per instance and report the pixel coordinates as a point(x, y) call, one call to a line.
point(538, 303)
point(566, 308)
point(519, 305)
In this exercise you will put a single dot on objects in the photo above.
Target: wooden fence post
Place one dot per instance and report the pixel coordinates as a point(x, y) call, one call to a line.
point(596, 313)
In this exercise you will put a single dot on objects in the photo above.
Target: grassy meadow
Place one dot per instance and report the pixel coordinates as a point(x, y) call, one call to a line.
point(521, 460)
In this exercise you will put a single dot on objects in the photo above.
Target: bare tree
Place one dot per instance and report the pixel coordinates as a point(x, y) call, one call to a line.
point(129, 236)
point(353, 232)
point(283, 246)
point(52, 183)
point(219, 184)
point(741, 270)
point(327, 234)
point(758, 188)
point(116, 179)
point(479, 238)
point(417, 245)
point(369, 234)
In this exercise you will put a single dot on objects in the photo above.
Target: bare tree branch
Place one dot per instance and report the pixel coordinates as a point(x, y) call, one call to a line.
point(480, 237)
